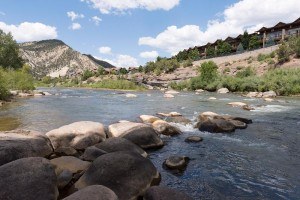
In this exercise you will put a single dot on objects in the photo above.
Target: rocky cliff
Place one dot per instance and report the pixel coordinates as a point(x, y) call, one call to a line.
point(54, 58)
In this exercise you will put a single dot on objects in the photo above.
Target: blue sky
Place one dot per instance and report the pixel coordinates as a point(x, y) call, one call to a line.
point(134, 32)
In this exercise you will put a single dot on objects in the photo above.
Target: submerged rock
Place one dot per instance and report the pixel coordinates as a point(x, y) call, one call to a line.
point(212, 98)
point(171, 92)
point(128, 174)
point(78, 135)
point(165, 128)
point(28, 179)
point(120, 144)
point(94, 192)
point(164, 193)
point(140, 134)
point(176, 162)
point(131, 95)
point(21, 144)
point(193, 139)
point(169, 96)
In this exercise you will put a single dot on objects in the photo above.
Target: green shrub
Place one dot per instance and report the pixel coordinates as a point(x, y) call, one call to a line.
point(248, 71)
point(116, 84)
point(87, 74)
point(187, 63)
point(180, 85)
point(226, 70)
point(283, 53)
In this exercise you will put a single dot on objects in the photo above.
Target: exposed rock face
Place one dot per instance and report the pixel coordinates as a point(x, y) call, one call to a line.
point(78, 135)
point(165, 128)
point(91, 153)
point(223, 91)
point(21, 144)
point(128, 174)
point(120, 144)
point(164, 193)
point(27, 179)
point(94, 192)
point(55, 58)
point(69, 163)
point(140, 134)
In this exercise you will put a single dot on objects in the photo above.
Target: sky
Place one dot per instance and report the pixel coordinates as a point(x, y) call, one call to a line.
point(129, 33)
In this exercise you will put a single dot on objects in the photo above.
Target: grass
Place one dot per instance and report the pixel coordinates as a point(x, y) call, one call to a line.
point(116, 85)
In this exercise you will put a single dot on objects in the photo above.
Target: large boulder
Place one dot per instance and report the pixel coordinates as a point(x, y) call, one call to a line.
point(78, 135)
point(91, 153)
point(128, 174)
point(149, 119)
point(207, 115)
point(216, 126)
point(21, 144)
point(165, 128)
point(164, 193)
point(237, 104)
point(69, 163)
point(223, 91)
point(254, 94)
point(94, 192)
point(120, 144)
point(27, 179)
point(140, 134)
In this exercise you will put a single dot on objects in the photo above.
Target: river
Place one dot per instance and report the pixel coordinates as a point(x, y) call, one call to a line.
point(260, 162)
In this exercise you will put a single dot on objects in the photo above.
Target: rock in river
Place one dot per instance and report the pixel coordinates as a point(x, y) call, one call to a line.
point(164, 193)
point(94, 192)
point(216, 126)
point(148, 119)
point(120, 144)
point(21, 144)
point(223, 91)
point(165, 128)
point(28, 179)
point(78, 135)
point(128, 174)
point(176, 162)
point(69, 163)
point(140, 134)
point(193, 139)
point(91, 153)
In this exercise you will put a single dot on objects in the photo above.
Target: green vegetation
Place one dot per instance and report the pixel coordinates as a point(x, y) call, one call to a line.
point(223, 48)
point(254, 42)
point(282, 81)
point(245, 40)
point(12, 75)
point(194, 55)
point(162, 65)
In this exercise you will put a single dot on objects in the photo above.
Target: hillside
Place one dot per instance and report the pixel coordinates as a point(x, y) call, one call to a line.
point(54, 58)
point(100, 62)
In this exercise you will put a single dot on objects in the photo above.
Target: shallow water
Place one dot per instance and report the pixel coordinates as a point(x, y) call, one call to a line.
point(260, 162)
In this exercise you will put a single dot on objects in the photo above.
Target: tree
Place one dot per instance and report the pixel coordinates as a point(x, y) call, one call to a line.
point(87, 74)
point(283, 53)
point(9, 52)
point(245, 40)
point(182, 55)
point(254, 42)
point(208, 72)
point(123, 71)
point(194, 54)
point(210, 51)
point(223, 48)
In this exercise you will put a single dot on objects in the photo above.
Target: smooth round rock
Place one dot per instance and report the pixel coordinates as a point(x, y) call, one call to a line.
point(78, 135)
point(91, 153)
point(223, 91)
point(120, 144)
point(148, 119)
point(28, 179)
point(216, 126)
point(128, 174)
point(238, 124)
point(140, 134)
point(164, 193)
point(165, 128)
point(21, 144)
point(69, 163)
point(194, 139)
point(94, 192)
point(176, 162)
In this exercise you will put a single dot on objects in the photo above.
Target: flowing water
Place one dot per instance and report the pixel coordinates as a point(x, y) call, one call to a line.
point(260, 162)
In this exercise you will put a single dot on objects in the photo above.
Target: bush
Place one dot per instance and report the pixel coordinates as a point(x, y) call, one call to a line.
point(294, 44)
point(248, 71)
point(187, 63)
point(116, 84)
point(180, 85)
point(87, 74)
point(283, 53)
point(162, 65)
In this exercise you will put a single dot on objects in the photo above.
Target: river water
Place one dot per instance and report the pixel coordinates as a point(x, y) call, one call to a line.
point(260, 162)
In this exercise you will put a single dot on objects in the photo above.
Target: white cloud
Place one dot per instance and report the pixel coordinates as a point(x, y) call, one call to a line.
point(149, 54)
point(245, 14)
point(125, 61)
point(74, 15)
point(28, 31)
point(75, 26)
point(105, 50)
point(108, 6)
point(96, 20)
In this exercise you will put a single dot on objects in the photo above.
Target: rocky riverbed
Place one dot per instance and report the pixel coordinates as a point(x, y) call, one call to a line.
point(136, 147)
